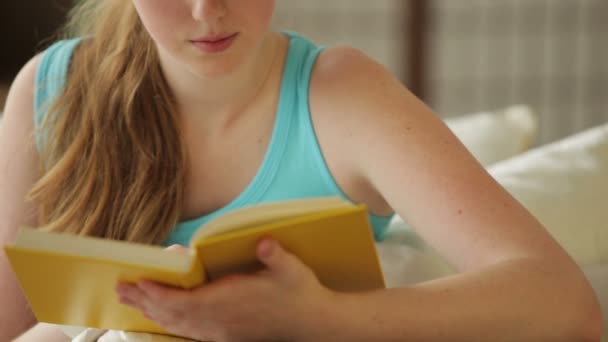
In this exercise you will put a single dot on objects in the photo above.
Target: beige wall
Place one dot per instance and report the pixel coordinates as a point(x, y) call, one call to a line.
point(551, 54)
point(484, 54)
point(375, 27)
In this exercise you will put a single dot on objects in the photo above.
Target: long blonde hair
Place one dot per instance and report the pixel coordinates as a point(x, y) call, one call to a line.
point(113, 161)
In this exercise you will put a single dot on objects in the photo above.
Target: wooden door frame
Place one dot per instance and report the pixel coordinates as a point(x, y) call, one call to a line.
point(416, 21)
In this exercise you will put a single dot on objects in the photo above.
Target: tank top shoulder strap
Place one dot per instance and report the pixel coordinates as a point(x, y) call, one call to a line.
point(304, 142)
point(51, 76)
point(305, 54)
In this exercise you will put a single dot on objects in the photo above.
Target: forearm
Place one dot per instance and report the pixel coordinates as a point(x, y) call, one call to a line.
point(15, 314)
point(514, 301)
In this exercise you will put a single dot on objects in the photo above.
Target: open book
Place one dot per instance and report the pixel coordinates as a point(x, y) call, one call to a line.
point(70, 280)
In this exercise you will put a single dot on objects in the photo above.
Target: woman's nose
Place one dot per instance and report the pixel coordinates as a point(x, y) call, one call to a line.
point(209, 10)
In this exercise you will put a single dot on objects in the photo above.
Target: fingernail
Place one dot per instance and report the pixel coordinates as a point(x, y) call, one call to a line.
point(265, 248)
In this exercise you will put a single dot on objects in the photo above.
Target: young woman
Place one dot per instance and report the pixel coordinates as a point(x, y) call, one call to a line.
point(161, 114)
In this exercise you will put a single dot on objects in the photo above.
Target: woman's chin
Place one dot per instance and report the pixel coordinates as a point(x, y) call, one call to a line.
point(215, 69)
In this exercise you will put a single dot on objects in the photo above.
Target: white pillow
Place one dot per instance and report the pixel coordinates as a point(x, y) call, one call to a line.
point(497, 135)
point(565, 185)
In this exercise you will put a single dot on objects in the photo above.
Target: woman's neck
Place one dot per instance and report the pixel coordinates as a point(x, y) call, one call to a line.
point(220, 99)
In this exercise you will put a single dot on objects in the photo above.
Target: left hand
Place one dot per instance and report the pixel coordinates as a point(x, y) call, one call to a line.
point(282, 302)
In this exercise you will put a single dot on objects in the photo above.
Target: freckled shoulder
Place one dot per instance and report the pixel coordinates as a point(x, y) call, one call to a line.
point(344, 90)
point(347, 84)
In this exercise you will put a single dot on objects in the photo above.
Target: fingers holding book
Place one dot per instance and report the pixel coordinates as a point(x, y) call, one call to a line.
point(238, 305)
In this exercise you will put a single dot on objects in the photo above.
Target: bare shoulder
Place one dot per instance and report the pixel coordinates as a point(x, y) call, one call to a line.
point(350, 97)
point(18, 117)
point(356, 101)
point(358, 94)
point(343, 72)
point(20, 100)
point(19, 163)
point(19, 167)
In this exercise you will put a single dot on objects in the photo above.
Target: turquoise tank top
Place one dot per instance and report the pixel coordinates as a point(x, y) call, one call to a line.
point(293, 166)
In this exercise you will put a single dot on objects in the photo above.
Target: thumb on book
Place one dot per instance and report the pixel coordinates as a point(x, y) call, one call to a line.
point(274, 257)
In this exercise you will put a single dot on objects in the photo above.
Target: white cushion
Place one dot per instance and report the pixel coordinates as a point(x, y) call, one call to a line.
point(565, 185)
point(496, 135)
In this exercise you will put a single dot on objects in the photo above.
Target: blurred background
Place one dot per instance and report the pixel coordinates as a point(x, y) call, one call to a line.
point(459, 56)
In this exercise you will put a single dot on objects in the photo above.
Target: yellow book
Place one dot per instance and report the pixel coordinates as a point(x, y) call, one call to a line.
point(71, 280)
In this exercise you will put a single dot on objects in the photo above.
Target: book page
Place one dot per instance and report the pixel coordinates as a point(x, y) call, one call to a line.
point(266, 213)
point(98, 248)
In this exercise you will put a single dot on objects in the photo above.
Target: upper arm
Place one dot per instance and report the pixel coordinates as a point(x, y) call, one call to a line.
point(19, 165)
point(420, 168)
point(18, 172)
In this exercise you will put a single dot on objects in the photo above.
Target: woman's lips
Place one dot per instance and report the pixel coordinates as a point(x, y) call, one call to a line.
point(214, 44)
